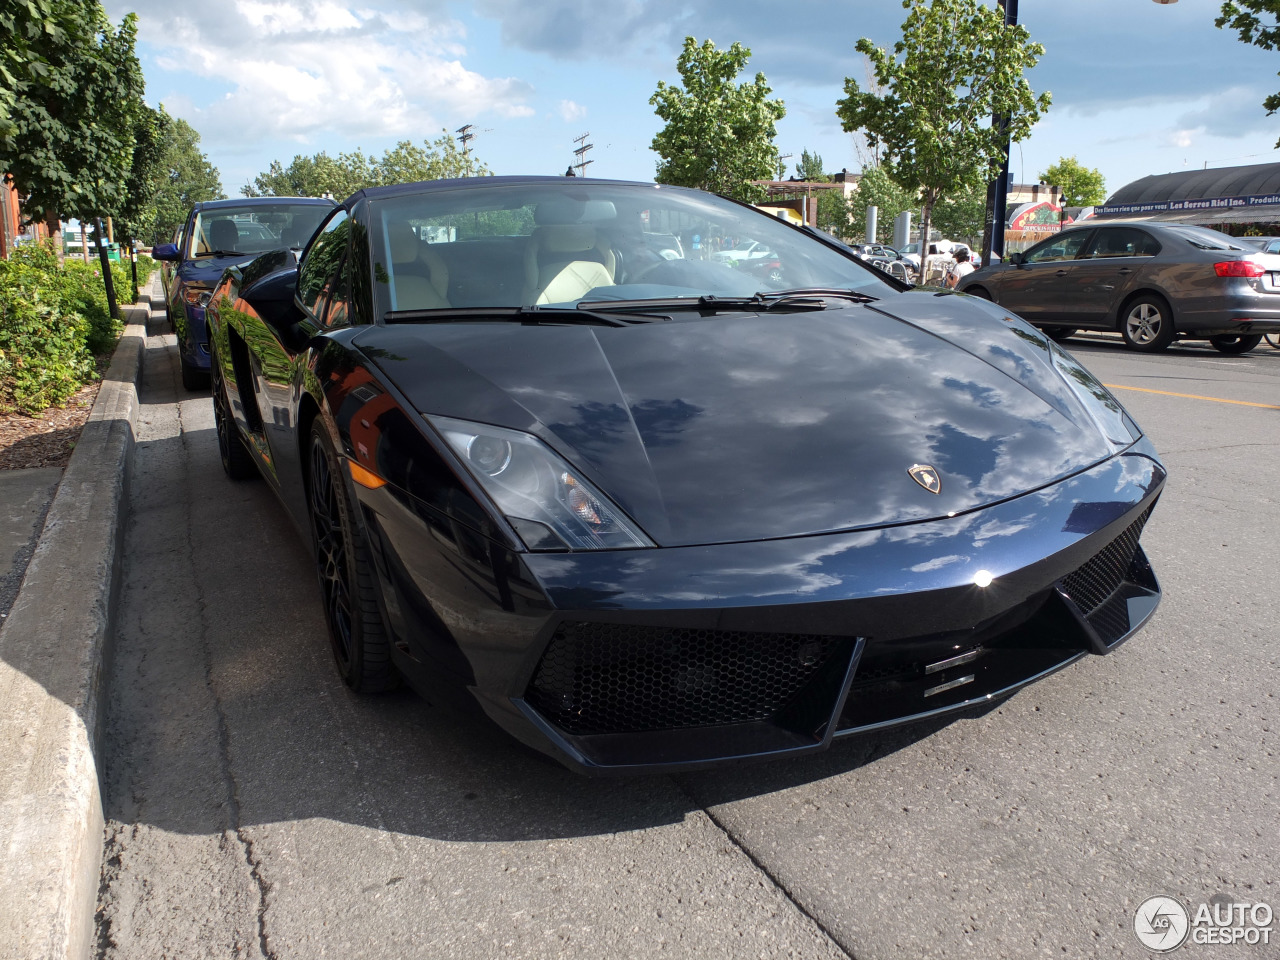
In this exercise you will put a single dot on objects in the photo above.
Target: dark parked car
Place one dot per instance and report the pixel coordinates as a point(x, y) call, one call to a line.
point(652, 513)
point(1150, 281)
point(217, 234)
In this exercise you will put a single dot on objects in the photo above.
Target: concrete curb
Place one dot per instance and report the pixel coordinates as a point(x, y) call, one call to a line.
point(54, 653)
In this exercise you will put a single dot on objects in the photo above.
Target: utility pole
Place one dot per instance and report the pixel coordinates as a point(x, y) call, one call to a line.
point(581, 161)
point(998, 189)
point(465, 136)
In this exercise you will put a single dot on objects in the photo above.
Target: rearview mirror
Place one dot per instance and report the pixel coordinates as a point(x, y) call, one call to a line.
point(166, 251)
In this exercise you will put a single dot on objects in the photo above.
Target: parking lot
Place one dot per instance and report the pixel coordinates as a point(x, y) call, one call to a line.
point(257, 808)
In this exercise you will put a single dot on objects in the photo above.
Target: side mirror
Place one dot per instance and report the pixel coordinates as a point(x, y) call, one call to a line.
point(1016, 259)
point(166, 251)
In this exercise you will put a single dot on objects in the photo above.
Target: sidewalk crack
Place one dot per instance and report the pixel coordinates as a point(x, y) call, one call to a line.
point(760, 865)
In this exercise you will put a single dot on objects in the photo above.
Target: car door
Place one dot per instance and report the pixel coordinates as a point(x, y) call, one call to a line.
point(323, 294)
point(1110, 266)
point(1035, 287)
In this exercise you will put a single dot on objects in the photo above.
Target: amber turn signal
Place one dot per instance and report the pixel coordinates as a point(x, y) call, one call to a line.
point(366, 478)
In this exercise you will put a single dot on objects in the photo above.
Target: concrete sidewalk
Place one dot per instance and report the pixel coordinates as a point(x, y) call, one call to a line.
point(54, 646)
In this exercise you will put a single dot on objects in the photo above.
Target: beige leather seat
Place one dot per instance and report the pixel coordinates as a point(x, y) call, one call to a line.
point(420, 275)
point(564, 261)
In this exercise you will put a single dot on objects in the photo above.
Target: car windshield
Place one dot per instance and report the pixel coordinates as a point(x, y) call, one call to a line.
point(254, 228)
point(558, 244)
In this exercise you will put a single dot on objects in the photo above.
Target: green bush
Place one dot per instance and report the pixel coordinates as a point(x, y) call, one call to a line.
point(52, 322)
point(84, 294)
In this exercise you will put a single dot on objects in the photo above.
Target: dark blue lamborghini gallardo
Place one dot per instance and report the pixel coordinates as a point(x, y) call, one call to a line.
point(650, 510)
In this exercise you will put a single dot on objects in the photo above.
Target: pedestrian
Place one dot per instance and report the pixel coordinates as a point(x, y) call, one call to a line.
point(962, 268)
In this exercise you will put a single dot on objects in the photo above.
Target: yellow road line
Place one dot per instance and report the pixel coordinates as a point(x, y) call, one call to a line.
point(1193, 396)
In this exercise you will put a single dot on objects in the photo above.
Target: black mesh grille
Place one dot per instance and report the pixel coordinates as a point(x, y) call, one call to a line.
point(1091, 585)
point(615, 678)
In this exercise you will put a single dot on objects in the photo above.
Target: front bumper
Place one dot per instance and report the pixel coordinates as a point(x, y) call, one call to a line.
point(672, 659)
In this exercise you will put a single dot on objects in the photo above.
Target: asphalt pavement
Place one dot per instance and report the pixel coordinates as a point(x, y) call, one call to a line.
point(256, 808)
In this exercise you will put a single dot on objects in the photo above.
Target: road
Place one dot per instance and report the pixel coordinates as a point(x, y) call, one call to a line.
point(256, 808)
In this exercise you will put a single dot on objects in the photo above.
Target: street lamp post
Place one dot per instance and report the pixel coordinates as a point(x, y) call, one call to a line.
point(998, 189)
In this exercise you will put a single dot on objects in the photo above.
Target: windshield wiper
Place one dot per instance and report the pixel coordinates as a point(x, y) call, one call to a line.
point(221, 253)
point(842, 292)
point(532, 316)
point(805, 298)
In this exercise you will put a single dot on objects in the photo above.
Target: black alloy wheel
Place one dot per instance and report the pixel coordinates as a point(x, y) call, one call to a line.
point(361, 647)
point(1146, 323)
point(1232, 343)
point(1059, 334)
point(237, 461)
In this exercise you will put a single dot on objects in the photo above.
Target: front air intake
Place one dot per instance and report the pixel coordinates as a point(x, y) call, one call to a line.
point(601, 678)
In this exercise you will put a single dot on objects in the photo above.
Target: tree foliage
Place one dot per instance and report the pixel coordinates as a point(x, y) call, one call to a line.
point(961, 215)
point(72, 102)
point(1081, 186)
point(1245, 17)
point(956, 65)
point(146, 172)
point(719, 133)
point(185, 178)
point(810, 167)
point(346, 173)
point(877, 189)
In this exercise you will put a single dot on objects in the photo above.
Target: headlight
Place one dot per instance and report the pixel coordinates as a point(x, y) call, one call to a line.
point(538, 491)
point(196, 296)
point(1104, 409)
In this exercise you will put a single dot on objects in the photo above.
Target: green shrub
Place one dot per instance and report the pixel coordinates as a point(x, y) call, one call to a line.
point(84, 294)
point(52, 321)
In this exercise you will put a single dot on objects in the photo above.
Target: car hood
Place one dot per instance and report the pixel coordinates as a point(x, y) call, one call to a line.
point(746, 427)
point(208, 270)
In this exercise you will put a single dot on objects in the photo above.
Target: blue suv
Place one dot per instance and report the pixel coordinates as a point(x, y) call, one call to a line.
point(220, 234)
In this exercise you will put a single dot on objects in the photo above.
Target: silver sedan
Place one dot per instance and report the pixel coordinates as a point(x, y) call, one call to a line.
point(1152, 282)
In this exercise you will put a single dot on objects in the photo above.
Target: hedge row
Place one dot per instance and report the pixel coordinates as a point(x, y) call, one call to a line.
point(53, 322)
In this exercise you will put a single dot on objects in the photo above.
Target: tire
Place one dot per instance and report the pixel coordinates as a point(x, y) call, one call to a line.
point(1273, 340)
point(357, 635)
point(1233, 343)
point(980, 292)
point(194, 379)
point(1059, 334)
point(237, 461)
point(1146, 323)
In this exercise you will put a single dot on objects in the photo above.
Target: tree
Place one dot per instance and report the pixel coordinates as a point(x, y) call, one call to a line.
point(1081, 186)
point(962, 215)
point(810, 168)
point(1245, 18)
point(876, 189)
point(74, 97)
point(834, 213)
point(956, 64)
point(343, 175)
point(186, 178)
point(718, 134)
point(146, 171)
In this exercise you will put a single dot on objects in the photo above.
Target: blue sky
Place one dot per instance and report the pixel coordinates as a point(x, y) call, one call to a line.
point(1138, 87)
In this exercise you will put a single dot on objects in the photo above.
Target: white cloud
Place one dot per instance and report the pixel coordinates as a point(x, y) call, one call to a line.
point(302, 69)
point(570, 111)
